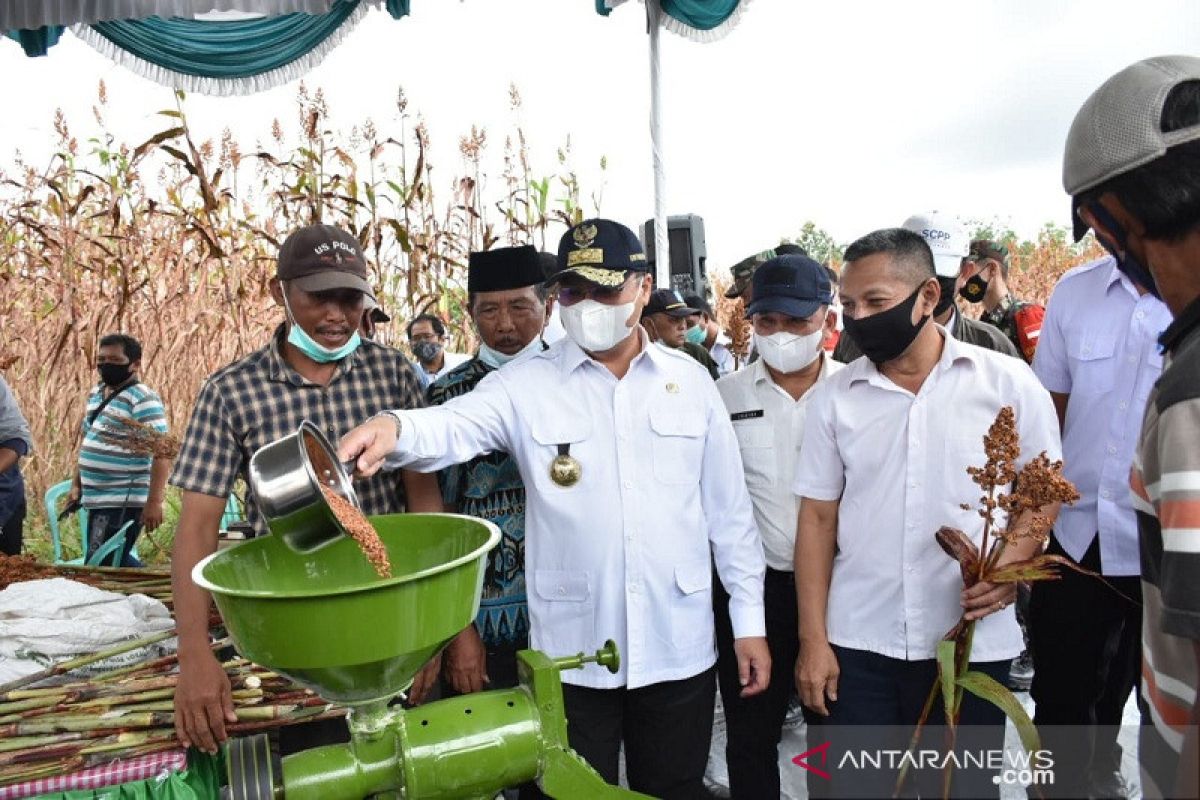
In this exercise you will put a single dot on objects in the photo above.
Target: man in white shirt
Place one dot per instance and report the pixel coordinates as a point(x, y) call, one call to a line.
point(427, 339)
point(1098, 356)
point(766, 402)
point(633, 488)
point(950, 244)
point(887, 443)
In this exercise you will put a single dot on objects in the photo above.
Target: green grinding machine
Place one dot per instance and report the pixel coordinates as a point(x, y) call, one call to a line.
point(325, 619)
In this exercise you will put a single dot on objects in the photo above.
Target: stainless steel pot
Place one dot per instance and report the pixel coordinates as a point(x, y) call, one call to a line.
point(284, 478)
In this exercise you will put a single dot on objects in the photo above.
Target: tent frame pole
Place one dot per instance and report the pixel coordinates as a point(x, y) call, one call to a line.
point(662, 267)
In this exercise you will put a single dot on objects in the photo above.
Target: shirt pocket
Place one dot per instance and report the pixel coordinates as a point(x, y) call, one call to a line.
point(548, 435)
point(565, 612)
point(1092, 362)
point(691, 608)
point(678, 444)
point(961, 452)
point(756, 441)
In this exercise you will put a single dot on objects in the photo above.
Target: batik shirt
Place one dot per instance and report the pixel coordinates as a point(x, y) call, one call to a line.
point(490, 487)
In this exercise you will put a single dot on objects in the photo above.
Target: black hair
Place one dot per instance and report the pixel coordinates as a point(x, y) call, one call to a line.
point(129, 345)
point(832, 273)
point(912, 260)
point(439, 327)
point(1164, 195)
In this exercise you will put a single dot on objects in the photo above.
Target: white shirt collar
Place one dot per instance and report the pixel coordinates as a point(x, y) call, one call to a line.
point(953, 351)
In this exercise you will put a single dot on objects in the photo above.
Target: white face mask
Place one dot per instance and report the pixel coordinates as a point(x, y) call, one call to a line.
point(788, 352)
point(596, 327)
point(496, 359)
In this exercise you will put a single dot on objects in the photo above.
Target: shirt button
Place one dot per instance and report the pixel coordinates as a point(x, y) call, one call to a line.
point(1140, 314)
point(1132, 359)
point(562, 590)
point(1122, 405)
point(628, 484)
point(1112, 450)
point(1106, 494)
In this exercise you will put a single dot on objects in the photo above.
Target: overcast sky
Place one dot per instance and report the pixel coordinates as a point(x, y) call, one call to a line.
point(851, 114)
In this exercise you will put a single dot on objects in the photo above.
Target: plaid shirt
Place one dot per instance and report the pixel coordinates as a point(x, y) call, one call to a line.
point(259, 399)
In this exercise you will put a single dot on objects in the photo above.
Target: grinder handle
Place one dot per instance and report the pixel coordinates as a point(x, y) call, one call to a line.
point(607, 656)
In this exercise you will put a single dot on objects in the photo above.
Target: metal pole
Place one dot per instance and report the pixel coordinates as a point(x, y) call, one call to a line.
point(661, 240)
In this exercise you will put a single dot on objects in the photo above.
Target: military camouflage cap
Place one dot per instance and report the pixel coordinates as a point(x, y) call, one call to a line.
point(743, 270)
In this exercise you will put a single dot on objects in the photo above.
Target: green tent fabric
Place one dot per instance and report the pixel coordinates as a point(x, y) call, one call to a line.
point(226, 57)
point(225, 49)
point(38, 41)
point(700, 20)
point(200, 781)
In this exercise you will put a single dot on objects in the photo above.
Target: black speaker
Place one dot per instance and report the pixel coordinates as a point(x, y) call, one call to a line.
point(685, 232)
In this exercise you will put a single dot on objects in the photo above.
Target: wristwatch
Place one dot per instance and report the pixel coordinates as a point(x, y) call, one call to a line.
point(997, 314)
point(395, 418)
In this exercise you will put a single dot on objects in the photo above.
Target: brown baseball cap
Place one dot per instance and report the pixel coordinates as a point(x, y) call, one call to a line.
point(319, 258)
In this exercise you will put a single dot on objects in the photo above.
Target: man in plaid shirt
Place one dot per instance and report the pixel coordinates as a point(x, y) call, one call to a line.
point(316, 367)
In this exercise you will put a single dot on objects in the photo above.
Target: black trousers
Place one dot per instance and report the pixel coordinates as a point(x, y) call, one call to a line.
point(755, 724)
point(11, 531)
point(1086, 658)
point(666, 729)
point(879, 702)
point(103, 524)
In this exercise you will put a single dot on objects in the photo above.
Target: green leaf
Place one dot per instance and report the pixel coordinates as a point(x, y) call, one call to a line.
point(1038, 568)
point(987, 688)
point(946, 675)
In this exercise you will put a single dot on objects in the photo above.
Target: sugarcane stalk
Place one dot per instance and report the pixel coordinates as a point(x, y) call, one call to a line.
point(10, 743)
point(306, 715)
point(147, 666)
point(11, 709)
point(20, 773)
point(71, 664)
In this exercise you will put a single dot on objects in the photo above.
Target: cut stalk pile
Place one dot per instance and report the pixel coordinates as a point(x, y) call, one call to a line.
point(129, 712)
point(125, 580)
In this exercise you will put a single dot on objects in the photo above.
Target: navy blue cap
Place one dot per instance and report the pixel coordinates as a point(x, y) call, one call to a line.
point(669, 302)
point(794, 285)
point(600, 251)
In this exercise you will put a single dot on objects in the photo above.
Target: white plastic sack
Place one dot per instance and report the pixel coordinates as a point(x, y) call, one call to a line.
point(47, 621)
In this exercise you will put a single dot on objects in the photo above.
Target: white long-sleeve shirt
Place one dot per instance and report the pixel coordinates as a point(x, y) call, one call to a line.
point(626, 553)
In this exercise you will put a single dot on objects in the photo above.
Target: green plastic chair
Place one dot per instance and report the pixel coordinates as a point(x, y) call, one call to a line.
point(53, 498)
point(110, 551)
point(233, 512)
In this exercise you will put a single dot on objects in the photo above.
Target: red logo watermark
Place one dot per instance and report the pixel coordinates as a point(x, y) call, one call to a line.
point(821, 750)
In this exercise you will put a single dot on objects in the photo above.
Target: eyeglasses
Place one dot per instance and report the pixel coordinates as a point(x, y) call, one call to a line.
point(607, 295)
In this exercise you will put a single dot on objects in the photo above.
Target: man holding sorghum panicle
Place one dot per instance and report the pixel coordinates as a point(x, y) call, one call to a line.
point(887, 443)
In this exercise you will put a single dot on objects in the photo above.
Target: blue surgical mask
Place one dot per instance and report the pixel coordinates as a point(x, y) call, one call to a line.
point(495, 359)
point(1127, 262)
point(300, 339)
point(696, 334)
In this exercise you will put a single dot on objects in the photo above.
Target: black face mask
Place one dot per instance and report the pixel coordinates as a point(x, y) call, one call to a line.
point(886, 335)
point(114, 374)
point(1128, 263)
point(974, 289)
point(947, 298)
